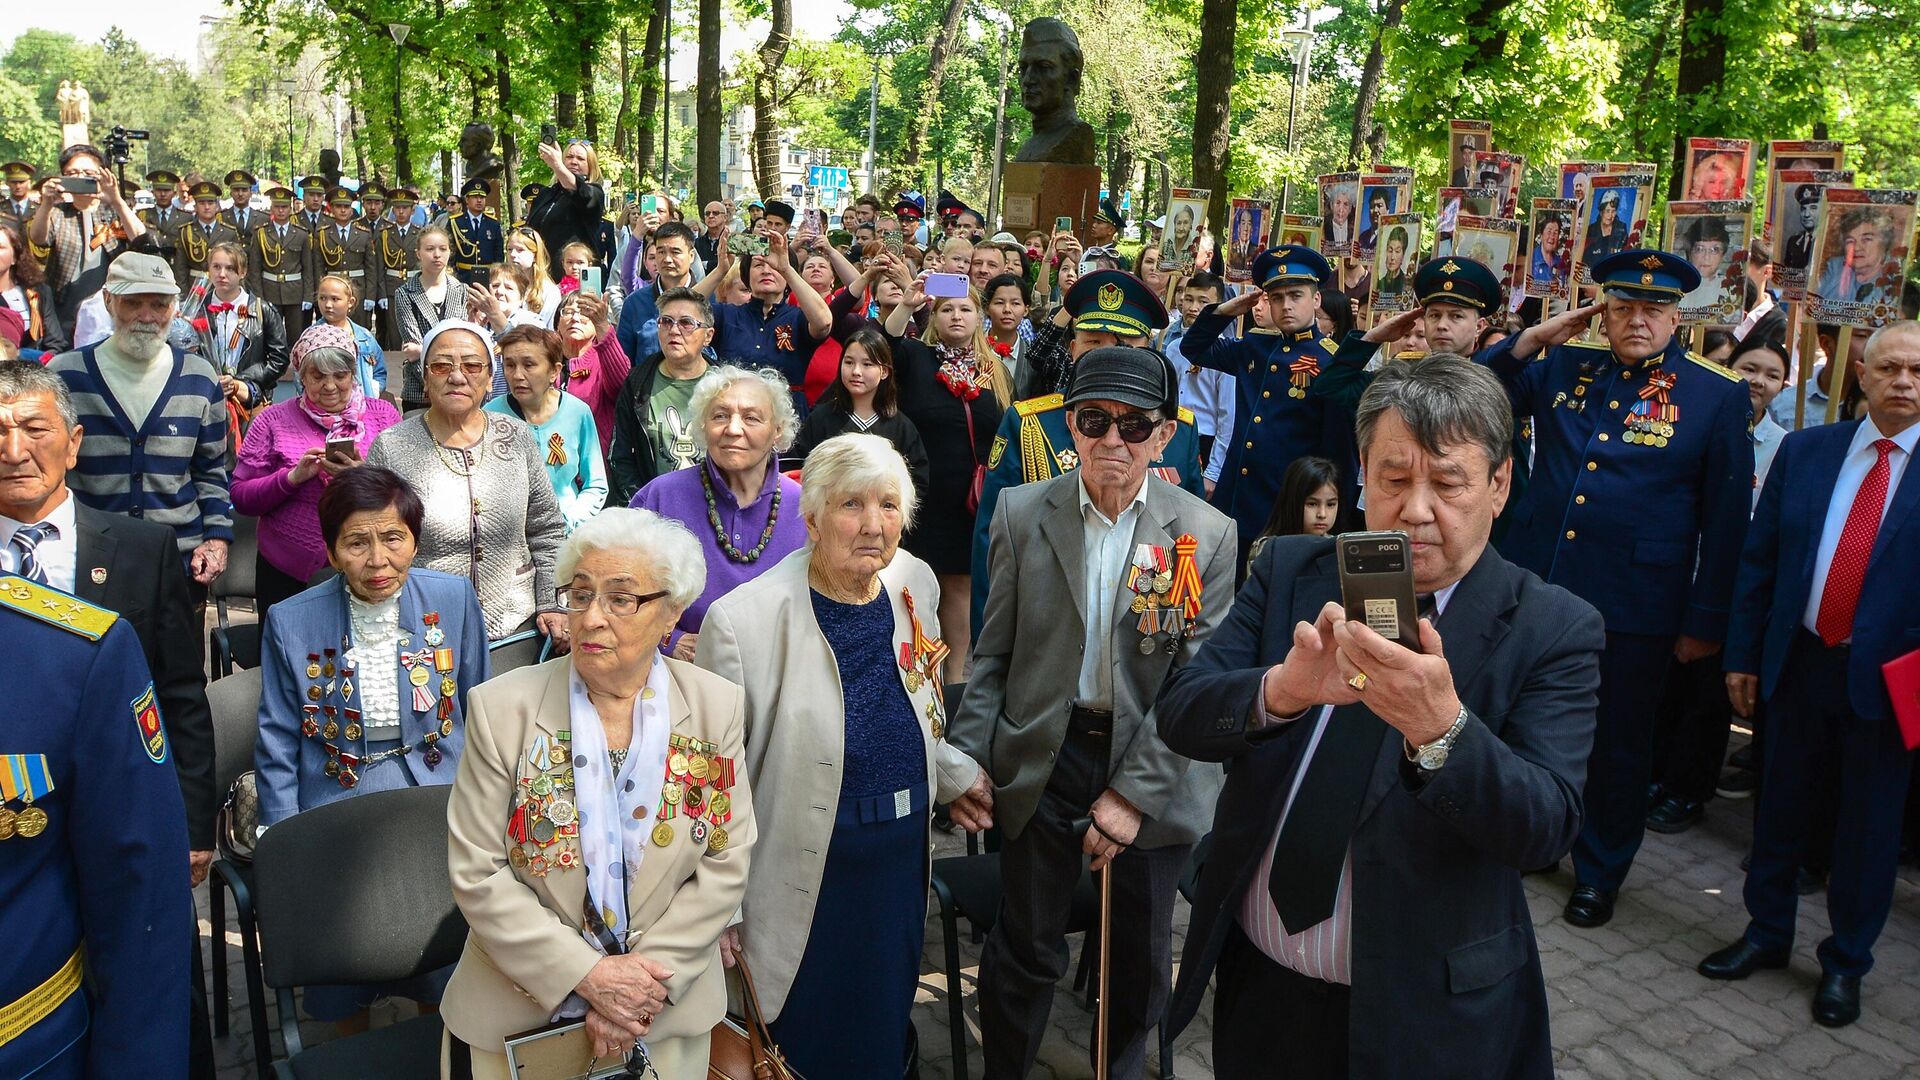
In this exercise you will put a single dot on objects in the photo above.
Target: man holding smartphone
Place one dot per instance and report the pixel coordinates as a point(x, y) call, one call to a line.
point(1362, 772)
point(81, 232)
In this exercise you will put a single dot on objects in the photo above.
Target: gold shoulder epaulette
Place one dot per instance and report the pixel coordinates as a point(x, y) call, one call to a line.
point(55, 607)
point(1039, 404)
point(1723, 372)
point(1329, 344)
point(1185, 414)
point(1410, 354)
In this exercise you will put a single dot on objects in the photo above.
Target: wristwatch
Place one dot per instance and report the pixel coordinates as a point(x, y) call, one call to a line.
point(1434, 754)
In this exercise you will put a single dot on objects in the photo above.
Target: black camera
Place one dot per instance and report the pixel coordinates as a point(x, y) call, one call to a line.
point(120, 143)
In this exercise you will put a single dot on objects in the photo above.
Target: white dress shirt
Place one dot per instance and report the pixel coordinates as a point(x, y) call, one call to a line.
point(58, 554)
point(221, 332)
point(1853, 472)
point(1107, 546)
point(1207, 393)
point(376, 662)
point(1766, 443)
point(1324, 950)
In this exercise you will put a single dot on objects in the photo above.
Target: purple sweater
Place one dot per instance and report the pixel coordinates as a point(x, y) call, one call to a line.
point(677, 495)
point(290, 515)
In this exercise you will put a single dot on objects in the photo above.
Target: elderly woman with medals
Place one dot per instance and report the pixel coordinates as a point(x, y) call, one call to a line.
point(362, 678)
point(600, 828)
point(838, 647)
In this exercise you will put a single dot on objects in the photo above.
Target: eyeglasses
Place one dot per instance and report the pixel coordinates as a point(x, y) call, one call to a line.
point(1135, 427)
point(681, 326)
point(619, 604)
point(472, 369)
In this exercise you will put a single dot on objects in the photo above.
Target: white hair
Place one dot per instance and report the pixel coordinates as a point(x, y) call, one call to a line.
point(722, 377)
point(663, 548)
point(1887, 333)
point(856, 464)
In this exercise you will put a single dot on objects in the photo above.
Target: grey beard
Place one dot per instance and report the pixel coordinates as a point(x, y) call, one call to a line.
point(142, 339)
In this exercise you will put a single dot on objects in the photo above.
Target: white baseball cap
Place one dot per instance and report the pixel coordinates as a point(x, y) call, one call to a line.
point(134, 274)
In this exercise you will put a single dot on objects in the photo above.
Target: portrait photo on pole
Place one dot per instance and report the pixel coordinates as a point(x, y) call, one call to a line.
point(1550, 263)
point(1713, 236)
point(1380, 195)
point(1504, 171)
point(1248, 222)
point(1186, 217)
point(1716, 169)
point(1464, 139)
point(1862, 248)
point(1393, 263)
point(1455, 201)
point(1785, 154)
point(1491, 242)
point(1613, 219)
point(1796, 206)
point(1301, 229)
point(1339, 210)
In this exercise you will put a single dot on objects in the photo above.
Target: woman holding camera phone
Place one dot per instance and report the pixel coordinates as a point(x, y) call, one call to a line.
point(294, 448)
point(75, 236)
point(570, 208)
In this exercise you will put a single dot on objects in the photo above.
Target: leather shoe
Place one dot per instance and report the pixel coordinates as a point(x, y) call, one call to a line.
point(1837, 1002)
point(1674, 814)
point(1589, 907)
point(1741, 959)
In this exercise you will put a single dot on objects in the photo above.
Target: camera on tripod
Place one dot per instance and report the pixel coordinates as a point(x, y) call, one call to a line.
point(120, 143)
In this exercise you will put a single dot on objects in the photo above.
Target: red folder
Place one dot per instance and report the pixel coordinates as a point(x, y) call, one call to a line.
point(1902, 677)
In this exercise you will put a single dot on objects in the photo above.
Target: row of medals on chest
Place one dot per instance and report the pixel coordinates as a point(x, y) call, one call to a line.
point(1649, 421)
point(345, 767)
point(1162, 623)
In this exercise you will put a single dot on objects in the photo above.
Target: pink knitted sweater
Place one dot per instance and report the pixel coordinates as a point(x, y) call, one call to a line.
point(289, 514)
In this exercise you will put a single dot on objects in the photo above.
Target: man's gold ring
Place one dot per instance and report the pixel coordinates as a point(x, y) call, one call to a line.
point(1358, 682)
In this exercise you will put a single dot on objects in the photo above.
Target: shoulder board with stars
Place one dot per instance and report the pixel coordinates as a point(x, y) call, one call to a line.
point(56, 608)
point(1039, 404)
point(1723, 372)
point(1185, 414)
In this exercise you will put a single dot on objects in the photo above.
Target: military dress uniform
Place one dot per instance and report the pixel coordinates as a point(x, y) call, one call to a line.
point(477, 240)
point(1274, 420)
point(346, 250)
point(241, 215)
point(163, 219)
point(312, 219)
point(279, 265)
point(17, 213)
point(193, 241)
point(1642, 477)
point(396, 255)
point(93, 852)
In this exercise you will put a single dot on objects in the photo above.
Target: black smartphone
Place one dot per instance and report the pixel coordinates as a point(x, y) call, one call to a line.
point(549, 134)
point(1376, 584)
point(342, 450)
point(80, 185)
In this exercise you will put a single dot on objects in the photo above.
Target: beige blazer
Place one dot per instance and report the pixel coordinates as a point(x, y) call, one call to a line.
point(764, 636)
point(524, 951)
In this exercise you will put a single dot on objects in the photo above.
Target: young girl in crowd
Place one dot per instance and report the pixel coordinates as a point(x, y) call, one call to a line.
point(563, 428)
point(501, 306)
point(1308, 505)
point(335, 299)
point(576, 262)
point(430, 296)
point(528, 251)
point(864, 398)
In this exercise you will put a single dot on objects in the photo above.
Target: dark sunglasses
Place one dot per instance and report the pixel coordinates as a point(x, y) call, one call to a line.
point(1135, 427)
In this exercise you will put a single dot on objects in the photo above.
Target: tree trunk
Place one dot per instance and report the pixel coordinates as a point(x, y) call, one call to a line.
point(622, 117)
point(1810, 43)
point(766, 91)
point(1213, 82)
point(1702, 67)
point(590, 109)
point(509, 146)
point(353, 131)
point(649, 88)
point(1119, 161)
point(706, 105)
point(1368, 93)
point(936, 75)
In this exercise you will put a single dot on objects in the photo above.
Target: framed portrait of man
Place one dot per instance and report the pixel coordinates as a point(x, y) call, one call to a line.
point(1495, 169)
point(1301, 229)
point(1491, 242)
point(1380, 194)
point(1339, 212)
point(1455, 201)
point(1394, 260)
point(1612, 219)
point(1861, 249)
point(1784, 154)
point(1248, 222)
point(1795, 204)
point(1713, 236)
point(1550, 263)
point(1716, 170)
point(1464, 139)
point(1186, 218)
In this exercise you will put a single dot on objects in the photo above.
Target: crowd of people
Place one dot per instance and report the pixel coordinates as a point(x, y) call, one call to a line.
point(819, 560)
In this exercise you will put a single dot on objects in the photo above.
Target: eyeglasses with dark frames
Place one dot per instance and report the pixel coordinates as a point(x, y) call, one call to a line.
point(618, 604)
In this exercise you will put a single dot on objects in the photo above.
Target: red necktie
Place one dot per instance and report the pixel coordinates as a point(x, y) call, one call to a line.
point(1841, 597)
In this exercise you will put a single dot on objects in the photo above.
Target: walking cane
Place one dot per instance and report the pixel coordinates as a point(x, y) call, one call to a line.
point(1080, 827)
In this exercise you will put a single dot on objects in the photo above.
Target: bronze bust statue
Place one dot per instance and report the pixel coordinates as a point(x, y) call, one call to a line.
point(476, 151)
point(1050, 66)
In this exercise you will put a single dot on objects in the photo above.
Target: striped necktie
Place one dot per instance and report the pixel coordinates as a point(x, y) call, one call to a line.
point(26, 540)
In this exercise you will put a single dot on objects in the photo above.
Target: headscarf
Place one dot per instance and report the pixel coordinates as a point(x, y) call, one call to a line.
point(344, 424)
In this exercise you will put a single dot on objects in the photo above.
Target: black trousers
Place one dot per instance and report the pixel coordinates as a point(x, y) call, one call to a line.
point(1695, 723)
point(1272, 1022)
point(1026, 954)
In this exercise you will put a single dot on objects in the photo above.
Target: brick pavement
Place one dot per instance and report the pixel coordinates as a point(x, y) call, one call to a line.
point(1626, 1002)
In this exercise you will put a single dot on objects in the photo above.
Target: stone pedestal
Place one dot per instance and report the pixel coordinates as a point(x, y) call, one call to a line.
point(1035, 193)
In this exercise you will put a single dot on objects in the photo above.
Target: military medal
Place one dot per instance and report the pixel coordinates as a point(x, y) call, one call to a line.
point(921, 655)
point(419, 676)
point(434, 637)
point(662, 834)
point(518, 858)
point(7, 820)
point(446, 727)
point(353, 725)
point(1301, 373)
point(332, 728)
point(698, 832)
point(717, 840)
point(313, 665)
point(309, 726)
point(561, 812)
point(447, 686)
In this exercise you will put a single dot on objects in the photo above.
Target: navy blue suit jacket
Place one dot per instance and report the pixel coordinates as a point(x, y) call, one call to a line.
point(1446, 974)
point(1776, 570)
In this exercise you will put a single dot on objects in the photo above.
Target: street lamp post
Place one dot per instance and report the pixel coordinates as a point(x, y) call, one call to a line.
point(402, 163)
point(1300, 42)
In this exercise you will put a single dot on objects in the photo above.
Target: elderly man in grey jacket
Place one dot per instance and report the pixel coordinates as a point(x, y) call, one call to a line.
point(1102, 580)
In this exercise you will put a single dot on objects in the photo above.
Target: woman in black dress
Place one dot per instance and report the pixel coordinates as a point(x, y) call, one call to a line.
point(571, 207)
point(865, 397)
point(954, 388)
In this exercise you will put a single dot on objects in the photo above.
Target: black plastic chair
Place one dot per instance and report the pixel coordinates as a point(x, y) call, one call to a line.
point(524, 648)
point(356, 892)
point(236, 644)
point(234, 702)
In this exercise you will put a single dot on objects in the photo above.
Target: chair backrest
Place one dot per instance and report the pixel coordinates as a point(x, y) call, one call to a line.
point(357, 891)
point(523, 649)
point(235, 704)
point(238, 578)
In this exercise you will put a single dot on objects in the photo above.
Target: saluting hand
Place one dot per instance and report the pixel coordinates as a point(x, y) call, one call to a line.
point(1394, 328)
point(1558, 330)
